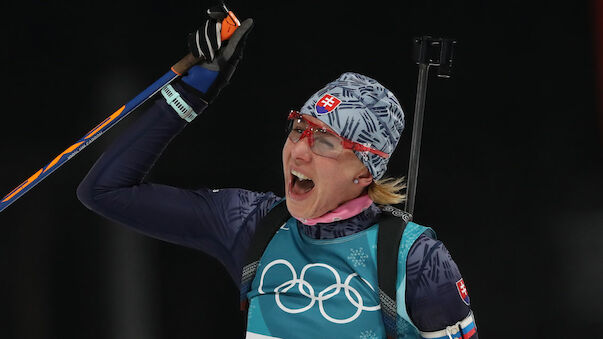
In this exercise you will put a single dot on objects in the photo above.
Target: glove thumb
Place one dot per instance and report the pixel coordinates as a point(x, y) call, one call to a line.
point(237, 39)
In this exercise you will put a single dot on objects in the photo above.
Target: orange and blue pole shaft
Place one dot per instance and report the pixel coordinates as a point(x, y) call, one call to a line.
point(229, 25)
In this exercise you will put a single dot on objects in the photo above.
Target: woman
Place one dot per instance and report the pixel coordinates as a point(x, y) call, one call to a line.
point(317, 277)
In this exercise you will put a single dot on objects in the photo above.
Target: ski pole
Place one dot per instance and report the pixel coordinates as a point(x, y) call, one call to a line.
point(428, 52)
point(229, 25)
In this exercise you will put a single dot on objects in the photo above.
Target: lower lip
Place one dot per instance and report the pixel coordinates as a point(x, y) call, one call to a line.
point(298, 197)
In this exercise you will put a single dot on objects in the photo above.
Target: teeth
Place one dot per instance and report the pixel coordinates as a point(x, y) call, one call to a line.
point(299, 175)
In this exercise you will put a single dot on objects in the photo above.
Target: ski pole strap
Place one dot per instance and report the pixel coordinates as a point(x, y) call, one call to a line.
point(391, 227)
point(172, 97)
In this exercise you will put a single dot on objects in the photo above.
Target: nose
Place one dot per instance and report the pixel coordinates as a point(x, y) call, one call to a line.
point(301, 150)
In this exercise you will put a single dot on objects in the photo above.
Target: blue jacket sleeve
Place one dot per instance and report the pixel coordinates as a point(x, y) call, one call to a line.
point(217, 222)
point(436, 296)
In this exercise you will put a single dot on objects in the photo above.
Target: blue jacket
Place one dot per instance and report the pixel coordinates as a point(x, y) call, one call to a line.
point(220, 222)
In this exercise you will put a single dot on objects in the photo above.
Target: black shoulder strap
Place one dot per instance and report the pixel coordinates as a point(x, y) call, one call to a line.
point(391, 227)
point(264, 232)
point(274, 219)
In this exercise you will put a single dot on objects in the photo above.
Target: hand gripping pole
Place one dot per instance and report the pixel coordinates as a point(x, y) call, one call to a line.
point(428, 52)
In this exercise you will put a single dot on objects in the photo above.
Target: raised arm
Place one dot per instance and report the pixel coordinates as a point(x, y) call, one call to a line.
point(218, 222)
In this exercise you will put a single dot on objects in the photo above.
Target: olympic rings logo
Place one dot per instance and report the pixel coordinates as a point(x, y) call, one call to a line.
point(307, 290)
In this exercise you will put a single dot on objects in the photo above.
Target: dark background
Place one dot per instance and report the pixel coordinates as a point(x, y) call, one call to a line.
point(511, 160)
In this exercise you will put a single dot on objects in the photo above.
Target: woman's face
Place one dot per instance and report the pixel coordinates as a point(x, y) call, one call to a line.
point(314, 184)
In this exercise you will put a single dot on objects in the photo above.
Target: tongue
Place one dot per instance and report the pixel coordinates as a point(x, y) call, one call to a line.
point(303, 186)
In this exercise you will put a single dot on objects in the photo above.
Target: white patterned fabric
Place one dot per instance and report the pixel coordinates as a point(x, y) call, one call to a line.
point(360, 109)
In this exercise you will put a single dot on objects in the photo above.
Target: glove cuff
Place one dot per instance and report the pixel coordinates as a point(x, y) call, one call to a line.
point(200, 78)
point(190, 96)
point(172, 97)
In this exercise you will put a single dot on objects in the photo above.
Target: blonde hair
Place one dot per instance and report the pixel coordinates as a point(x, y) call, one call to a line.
point(387, 191)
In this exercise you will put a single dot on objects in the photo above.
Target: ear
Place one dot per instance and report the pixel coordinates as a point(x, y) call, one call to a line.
point(365, 178)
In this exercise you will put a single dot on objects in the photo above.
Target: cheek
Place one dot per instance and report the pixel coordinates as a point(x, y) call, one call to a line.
point(339, 176)
point(334, 178)
point(286, 150)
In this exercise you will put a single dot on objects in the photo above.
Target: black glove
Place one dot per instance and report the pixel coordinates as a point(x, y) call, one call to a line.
point(209, 77)
point(205, 41)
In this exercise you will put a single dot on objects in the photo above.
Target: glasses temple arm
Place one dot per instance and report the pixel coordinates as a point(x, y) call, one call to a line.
point(362, 148)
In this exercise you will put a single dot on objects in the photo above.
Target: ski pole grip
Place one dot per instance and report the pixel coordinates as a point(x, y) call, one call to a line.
point(229, 26)
point(185, 64)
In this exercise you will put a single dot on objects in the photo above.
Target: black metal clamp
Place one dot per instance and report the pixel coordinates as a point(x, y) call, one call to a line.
point(428, 51)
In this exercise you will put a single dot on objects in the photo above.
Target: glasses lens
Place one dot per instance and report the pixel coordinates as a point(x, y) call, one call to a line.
point(321, 141)
point(296, 129)
point(327, 144)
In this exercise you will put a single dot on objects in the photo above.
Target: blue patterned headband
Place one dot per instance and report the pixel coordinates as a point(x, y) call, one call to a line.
point(362, 110)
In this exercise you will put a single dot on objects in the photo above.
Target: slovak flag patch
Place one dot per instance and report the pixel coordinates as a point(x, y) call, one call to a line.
point(460, 286)
point(326, 104)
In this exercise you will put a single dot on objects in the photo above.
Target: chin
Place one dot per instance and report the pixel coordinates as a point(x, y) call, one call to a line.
point(297, 210)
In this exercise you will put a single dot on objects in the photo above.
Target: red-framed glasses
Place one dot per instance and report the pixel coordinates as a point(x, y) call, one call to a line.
point(323, 141)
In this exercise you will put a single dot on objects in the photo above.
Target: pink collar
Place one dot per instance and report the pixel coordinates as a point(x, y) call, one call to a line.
point(345, 211)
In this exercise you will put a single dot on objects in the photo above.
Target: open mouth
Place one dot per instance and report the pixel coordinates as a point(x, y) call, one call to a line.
point(300, 184)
